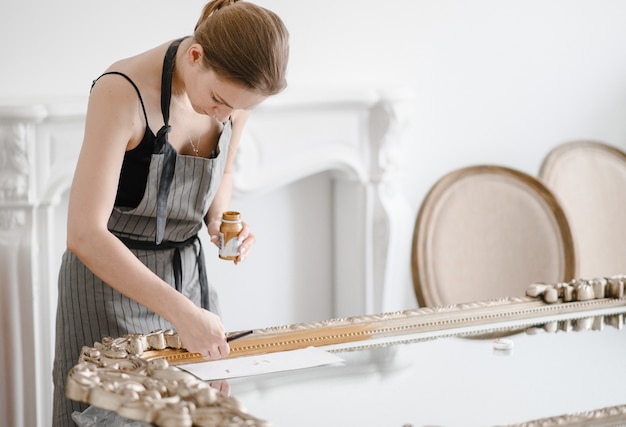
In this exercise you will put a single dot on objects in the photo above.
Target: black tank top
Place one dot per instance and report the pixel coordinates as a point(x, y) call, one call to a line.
point(134, 173)
point(136, 163)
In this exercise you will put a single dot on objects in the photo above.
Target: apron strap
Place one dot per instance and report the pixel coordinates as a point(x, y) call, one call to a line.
point(162, 145)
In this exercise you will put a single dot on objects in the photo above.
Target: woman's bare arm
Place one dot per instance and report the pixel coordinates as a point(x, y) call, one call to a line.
point(114, 121)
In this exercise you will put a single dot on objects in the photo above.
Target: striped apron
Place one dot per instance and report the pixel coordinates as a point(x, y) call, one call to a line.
point(162, 232)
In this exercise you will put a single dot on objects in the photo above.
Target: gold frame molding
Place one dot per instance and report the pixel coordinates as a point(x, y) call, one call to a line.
point(136, 375)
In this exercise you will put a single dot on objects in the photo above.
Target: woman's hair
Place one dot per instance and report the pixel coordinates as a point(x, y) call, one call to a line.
point(244, 43)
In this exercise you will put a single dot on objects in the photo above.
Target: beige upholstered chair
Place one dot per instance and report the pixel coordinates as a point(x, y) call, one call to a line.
point(486, 232)
point(589, 179)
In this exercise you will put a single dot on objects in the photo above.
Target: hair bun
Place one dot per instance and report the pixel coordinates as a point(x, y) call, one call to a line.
point(212, 7)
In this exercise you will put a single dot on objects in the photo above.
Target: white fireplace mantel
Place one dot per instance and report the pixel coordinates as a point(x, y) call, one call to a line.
point(354, 135)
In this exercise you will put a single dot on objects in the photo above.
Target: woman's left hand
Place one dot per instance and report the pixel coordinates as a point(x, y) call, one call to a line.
point(246, 239)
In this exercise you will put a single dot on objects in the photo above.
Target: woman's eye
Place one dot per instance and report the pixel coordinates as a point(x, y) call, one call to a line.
point(217, 101)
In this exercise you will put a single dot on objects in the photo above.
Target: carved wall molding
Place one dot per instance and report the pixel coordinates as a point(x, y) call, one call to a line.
point(14, 173)
point(354, 134)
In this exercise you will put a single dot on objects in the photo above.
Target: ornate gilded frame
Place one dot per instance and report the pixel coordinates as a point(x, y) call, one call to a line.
point(136, 376)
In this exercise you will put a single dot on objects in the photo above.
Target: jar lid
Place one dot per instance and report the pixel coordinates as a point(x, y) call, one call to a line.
point(231, 216)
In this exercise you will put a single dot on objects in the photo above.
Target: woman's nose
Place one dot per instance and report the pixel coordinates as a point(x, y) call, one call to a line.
point(222, 113)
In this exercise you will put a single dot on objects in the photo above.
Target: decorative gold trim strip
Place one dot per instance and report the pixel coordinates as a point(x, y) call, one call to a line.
point(394, 324)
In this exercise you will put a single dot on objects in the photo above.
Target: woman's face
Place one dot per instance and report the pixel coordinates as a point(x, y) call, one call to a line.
point(218, 97)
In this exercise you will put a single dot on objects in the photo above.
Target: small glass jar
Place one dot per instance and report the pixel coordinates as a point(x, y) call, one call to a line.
point(229, 231)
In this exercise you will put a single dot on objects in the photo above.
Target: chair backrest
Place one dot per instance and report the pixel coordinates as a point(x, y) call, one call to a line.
point(589, 180)
point(485, 232)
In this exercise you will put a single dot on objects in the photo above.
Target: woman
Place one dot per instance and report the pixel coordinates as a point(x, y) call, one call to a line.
point(161, 133)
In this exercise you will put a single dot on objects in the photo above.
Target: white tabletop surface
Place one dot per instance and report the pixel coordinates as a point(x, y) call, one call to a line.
point(449, 381)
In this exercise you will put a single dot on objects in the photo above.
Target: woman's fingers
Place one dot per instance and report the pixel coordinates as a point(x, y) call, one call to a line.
point(246, 240)
point(217, 351)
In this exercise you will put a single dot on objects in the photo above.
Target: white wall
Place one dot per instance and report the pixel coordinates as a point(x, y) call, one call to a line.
point(493, 81)
point(503, 82)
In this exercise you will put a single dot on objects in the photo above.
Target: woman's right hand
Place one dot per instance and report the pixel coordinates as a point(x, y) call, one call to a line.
point(202, 332)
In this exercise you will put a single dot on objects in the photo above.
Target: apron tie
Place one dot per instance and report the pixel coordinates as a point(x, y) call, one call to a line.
point(165, 182)
point(177, 262)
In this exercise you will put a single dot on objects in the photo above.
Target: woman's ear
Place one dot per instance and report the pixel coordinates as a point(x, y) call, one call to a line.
point(195, 53)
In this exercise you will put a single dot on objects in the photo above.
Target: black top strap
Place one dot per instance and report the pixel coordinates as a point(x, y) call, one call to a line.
point(143, 107)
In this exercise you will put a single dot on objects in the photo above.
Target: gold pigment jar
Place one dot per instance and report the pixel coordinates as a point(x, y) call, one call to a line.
point(229, 232)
